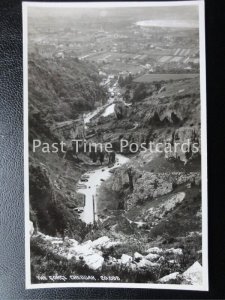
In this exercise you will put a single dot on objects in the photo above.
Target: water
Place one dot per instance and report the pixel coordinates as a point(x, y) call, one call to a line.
point(168, 23)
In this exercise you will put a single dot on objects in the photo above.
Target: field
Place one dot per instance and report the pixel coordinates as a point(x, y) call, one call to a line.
point(118, 67)
point(108, 56)
point(148, 78)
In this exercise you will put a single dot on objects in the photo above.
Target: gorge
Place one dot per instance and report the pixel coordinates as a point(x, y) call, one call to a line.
point(130, 203)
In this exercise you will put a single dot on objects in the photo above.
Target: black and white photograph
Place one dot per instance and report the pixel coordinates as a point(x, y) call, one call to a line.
point(115, 145)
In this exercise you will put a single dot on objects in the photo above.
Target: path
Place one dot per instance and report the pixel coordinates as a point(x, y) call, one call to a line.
point(94, 182)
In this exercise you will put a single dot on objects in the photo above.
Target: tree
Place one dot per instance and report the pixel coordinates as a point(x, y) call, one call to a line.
point(121, 81)
point(129, 78)
point(112, 157)
point(130, 176)
point(140, 92)
point(101, 157)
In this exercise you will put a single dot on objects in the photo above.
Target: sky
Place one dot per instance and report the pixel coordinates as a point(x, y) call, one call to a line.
point(187, 13)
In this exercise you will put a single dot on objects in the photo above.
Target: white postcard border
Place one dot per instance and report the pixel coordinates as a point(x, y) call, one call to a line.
point(205, 285)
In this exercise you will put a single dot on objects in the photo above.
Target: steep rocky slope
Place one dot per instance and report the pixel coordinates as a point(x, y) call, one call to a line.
point(102, 259)
point(59, 90)
point(171, 114)
point(156, 196)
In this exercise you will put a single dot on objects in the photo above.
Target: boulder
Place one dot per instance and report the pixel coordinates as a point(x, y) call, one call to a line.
point(125, 259)
point(146, 264)
point(112, 244)
point(173, 201)
point(100, 242)
point(137, 255)
point(73, 242)
point(104, 242)
point(94, 261)
point(193, 275)
point(152, 257)
point(171, 278)
point(177, 251)
point(155, 250)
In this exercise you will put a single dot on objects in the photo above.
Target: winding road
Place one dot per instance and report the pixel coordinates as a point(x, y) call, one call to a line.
point(96, 178)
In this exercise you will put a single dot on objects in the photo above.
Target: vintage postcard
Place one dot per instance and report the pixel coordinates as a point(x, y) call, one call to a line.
point(115, 145)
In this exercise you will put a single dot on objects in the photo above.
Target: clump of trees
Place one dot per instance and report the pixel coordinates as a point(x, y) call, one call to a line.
point(64, 94)
point(101, 156)
point(140, 92)
point(123, 81)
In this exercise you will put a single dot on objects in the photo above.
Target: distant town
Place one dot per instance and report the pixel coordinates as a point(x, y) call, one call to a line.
point(129, 49)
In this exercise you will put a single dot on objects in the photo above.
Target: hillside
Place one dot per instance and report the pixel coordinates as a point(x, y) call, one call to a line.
point(59, 90)
point(155, 199)
point(63, 88)
point(168, 113)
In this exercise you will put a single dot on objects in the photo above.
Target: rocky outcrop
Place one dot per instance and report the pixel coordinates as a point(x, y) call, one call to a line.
point(193, 275)
point(171, 278)
point(126, 259)
point(93, 255)
point(104, 242)
point(154, 250)
point(174, 251)
point(120, 110)
point(155, 214)
point(171, 112)
point(185, 144)
point(68, 130)
point(138, 256)
point(152, 256)
point(90, 252)
point(93, 261)
point(150, 186)
point(147, 186)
